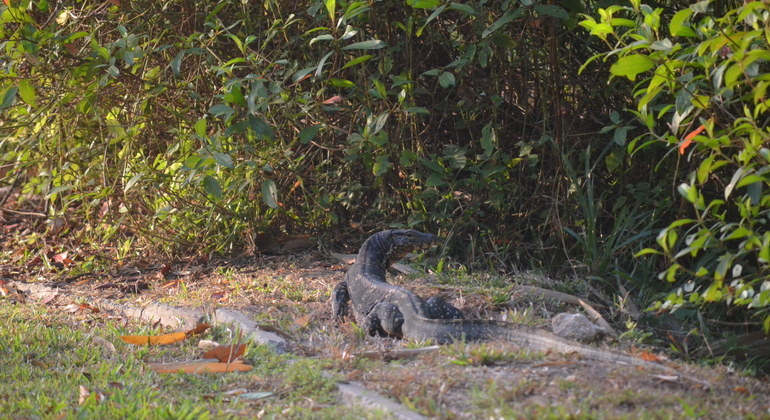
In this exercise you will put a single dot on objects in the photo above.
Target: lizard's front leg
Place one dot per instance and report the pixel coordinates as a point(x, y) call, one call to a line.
point(340, 301)
point(384, 320)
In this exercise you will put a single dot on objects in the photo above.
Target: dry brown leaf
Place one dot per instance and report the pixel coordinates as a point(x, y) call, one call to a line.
point(199, 329)
point(39, 364)
point(303, 321)
point(165, 269)
point(49, 299)
point(105, 208)
point(85, 393)
point(106, 345)
point(82, 282)
point(193, 367)
point(226, 353)
point(742, 389)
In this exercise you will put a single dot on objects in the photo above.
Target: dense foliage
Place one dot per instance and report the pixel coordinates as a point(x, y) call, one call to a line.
point(203, 124)
point(176, 125)
point(706, 100)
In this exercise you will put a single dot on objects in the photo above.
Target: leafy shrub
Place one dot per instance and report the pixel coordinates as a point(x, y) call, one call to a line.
point(159, 125)
point(704, 98)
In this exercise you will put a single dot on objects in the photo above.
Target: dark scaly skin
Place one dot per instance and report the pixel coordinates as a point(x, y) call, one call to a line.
point(376, 304)
point(386, 309)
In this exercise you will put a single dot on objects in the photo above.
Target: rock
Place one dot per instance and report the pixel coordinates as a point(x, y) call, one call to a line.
point(576, 327)
point(250, 328)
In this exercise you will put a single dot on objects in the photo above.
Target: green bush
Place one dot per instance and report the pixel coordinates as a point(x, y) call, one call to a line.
point(703, 96)
point(159, 125)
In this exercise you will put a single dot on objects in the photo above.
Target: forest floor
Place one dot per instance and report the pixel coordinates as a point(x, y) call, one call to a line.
point(291, 293)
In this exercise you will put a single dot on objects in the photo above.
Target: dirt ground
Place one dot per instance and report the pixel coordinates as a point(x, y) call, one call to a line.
point(478, 380)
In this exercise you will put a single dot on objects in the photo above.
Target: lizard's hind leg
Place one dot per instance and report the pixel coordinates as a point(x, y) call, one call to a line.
point(440, 309)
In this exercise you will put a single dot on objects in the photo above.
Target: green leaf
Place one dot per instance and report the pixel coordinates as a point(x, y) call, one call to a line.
point(417, 110)
point(309, 133)
point(750, 179)
point(342, 83)
point(463, 8)
point(200, 128)
point(646, 251)
point(9, 97)
point(381, 165)
point(58, 189)
point(223, 159)
point(435, 180)
point(677, 28)
point(259, 127)
point(221, 109)
point(322, 63)
point(357, 60)
point(302, 73)
point(446, 79)
point(488, 139)
point(211, 186)
point(131, 182)
point(620, 136)
point(330, 6)
point(176, 63)
point(631, 65)
point(270, 193)
point(507, 17)
point(736, 177)
point(423, 4)
point(374, 44)
point(27, 92)
point(613, 161)
point(552, 10)
point(455, 156)
point(324, 37)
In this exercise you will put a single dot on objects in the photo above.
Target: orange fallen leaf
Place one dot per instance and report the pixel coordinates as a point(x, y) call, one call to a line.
point(154, 340)
point(742, 389)
point(226, 353)
point(649, 357)
point(198, 367)
point(689, 137)
point(199, 329)
point(165, 338)
point(303, 320)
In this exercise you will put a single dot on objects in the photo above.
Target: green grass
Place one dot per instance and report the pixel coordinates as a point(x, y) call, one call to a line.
point(47, 356)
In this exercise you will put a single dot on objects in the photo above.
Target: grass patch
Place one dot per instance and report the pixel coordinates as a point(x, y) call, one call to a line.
point(49, 357)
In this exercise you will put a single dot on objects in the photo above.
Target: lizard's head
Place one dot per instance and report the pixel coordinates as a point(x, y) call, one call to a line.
point(403, 241)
